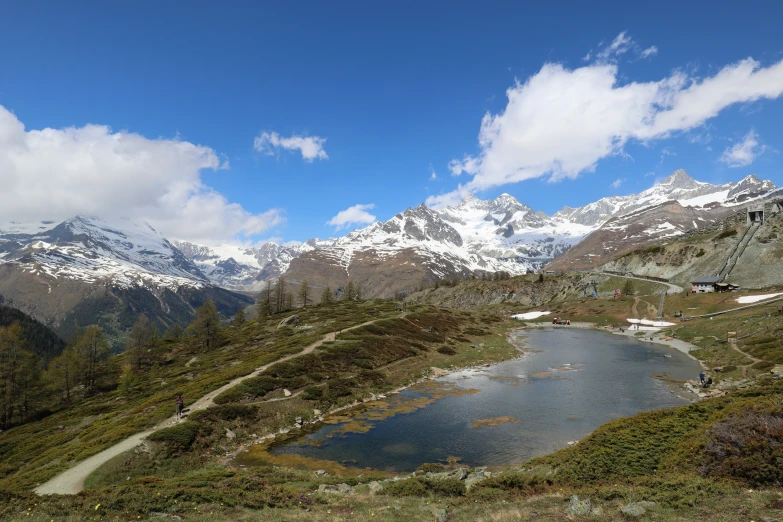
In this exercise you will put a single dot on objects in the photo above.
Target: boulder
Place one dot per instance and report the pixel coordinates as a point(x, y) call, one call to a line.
point(230, 435)
point(335, 489)
point(579, 508)
point(289, 321)
point(194, 360)
point(286, 393)
point(375, 486)
point(476, 477)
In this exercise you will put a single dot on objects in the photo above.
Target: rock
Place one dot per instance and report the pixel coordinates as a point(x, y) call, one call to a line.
point(440, 515)
point(230, 435)
point(320, 472)
point(289, 321)
point(298, 420)
point(335, 489)
point(597, 512)
point(396, 507)
point(636, 509)
point(777, 371)
point(579, 508)
point(317, 413)
point(375, 487)
point(192, 361)
point(475, 478)
point(286, 393)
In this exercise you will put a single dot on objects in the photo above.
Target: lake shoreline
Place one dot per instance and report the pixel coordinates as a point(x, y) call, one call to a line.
point(678, 344)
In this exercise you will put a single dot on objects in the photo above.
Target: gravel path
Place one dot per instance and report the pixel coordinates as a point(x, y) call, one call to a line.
point(71, 481)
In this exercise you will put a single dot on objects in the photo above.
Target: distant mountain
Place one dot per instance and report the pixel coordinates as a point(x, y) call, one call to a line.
point(63, 272)
point(669, 209)
point(87, 270)
point(244, 268)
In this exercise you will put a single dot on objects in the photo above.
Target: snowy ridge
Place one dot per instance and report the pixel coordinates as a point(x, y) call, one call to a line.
point(90, 249)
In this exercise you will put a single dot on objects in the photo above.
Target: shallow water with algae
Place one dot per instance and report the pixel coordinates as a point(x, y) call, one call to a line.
point(567, 383)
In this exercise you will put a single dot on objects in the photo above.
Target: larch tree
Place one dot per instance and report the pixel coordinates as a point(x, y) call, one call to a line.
point(239, 318)
point(350, 292)
point(279, 295)
point(17, 374)
point(326, 296)
point(265, 300)
point(63, 372)
point(206, 326)
point(304, 294)
point(138, 343)
point(92, 348)
point(628, 287)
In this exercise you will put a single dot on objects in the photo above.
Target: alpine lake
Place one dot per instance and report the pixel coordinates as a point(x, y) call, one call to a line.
point(565, 384)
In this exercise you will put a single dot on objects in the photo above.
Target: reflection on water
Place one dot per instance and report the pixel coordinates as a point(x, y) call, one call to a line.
point(568, 383)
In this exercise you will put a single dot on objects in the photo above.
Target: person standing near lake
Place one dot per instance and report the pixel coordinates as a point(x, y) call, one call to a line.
point(701, 377)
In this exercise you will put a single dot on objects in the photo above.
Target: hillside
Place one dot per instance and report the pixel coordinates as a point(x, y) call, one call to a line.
point(40, 339)
point(704, 254)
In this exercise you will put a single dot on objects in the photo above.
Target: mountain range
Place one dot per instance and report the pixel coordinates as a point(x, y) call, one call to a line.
point(60, 272)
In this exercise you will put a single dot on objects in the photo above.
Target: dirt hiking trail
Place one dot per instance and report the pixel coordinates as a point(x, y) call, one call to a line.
point(71, 481)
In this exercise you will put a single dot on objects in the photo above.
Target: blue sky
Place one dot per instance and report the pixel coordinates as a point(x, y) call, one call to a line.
point(387, 92)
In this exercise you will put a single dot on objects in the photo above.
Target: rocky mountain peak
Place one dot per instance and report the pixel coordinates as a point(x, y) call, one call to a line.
point(680, 179)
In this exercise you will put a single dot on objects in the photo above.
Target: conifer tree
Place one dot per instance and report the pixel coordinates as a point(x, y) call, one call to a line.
point(326, 296)
point(92, 349)
point(138, 343)
point(63, 372)
point(304, 293)
point(265, 300)
point(349, 293)
point(174, 332)
point(19, 372)
point(239, 318)
point(206, 326)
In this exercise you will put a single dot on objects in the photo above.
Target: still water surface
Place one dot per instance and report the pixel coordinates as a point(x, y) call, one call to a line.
point(568, 383)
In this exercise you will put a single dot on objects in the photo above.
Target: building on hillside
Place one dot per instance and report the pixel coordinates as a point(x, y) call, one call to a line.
point(755, 214)
point(704, 284)
point(726, 287)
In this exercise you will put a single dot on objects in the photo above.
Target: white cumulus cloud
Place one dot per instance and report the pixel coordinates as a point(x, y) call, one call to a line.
point(617, 183)
point(55, 174)
point(560, 122)
point(311, 147)
point(355, 215)
point(743, 153)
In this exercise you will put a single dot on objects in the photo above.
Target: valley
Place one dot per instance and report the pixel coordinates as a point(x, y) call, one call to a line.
point(403, 389)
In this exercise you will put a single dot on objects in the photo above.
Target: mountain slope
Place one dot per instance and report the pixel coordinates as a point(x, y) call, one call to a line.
point(40, 339)
point(675, 206)
point(87, 270)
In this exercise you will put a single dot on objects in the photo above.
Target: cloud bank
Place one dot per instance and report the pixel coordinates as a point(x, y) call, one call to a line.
point(55, 174)
point(560, 122)
point(311, 147)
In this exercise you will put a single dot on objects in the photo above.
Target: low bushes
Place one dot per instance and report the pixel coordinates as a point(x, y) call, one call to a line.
point(180, 436)
point(725, 234)
point(447, 350)
point(421, 487)
point(747, 446)
point(226, 412)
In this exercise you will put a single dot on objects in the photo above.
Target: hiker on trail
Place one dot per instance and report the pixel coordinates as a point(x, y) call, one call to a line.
point(701, 377)
point(181, 405)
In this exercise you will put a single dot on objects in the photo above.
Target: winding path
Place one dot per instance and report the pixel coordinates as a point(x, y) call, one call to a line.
point(672, 287)
point(746, 366)
point(71, 481)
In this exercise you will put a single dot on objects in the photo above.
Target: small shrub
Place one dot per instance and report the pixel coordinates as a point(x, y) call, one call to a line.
point(312, 393)
point(746, 446)
point(406, 488)
point(725, 234)
point(226, 412)
point(432, 467)
point(447, 350)
point(180, 436)
point(700, 253)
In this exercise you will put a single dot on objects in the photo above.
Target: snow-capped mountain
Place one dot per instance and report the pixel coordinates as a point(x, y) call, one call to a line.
point(90, 249)
point(680, 187)
point(244, 268)
point(88, 270)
